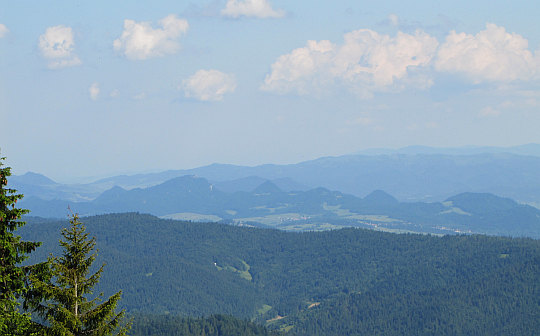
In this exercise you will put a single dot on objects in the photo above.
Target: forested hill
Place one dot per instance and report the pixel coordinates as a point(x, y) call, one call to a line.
point(191, 197)
point(341, 282)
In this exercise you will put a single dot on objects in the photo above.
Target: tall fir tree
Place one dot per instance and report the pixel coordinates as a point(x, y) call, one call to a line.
point(14, 278)
point(67, 309)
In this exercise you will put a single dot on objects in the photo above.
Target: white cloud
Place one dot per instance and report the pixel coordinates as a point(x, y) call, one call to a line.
point(251, 8)
point(140, 96)
point(94, 91)
point(489, 111)
point(208, 85)
point(491, 55)
point(394, 20)
point(139, 41)
point(57, 46)
point(366, 62)
point(3, 30)
point(114, 93)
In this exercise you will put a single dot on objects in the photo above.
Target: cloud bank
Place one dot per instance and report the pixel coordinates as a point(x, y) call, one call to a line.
point(57, 45)
point(251, 8)
point(208, 85)
point(491, 55)
point(139, 41)
point(368, 62)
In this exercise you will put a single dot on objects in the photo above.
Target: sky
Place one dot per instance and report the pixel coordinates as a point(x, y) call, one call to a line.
point(99, 88)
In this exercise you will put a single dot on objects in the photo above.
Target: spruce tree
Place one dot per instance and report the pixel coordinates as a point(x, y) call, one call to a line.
point(14, 278)
point(68, 310)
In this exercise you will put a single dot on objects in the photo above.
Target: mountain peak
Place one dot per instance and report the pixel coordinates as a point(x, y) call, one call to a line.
point(482, 202)
point(381, 197)
point(267, 188)
point(34, 179)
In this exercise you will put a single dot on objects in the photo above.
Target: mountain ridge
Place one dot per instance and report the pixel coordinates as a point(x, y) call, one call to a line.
point(314, 209)
point(408, 177)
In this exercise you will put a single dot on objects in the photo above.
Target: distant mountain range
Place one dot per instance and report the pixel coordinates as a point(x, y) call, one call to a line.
point(409, 174)
point(195, 198)
point(433, 192)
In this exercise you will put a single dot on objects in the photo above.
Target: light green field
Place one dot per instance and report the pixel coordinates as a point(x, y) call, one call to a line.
point(456, 210)
point(272, 220)
point(271, 210)
point(346, 213)
point(385, 229)
point(310, 227)
point(286, 328)
point(264, 309)
point(244, 274)
point(191, 216)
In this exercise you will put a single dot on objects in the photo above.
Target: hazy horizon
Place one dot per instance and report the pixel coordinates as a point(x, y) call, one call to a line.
point(525, 149)
point(98, 89)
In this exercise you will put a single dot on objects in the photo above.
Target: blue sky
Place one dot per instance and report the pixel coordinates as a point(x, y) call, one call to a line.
point(100, 88)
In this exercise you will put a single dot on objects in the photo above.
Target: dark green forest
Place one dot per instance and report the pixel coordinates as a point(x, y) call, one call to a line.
point(214, 325)
point(341, 282)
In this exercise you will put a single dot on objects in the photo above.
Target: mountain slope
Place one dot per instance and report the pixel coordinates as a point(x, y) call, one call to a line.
point(357, 279)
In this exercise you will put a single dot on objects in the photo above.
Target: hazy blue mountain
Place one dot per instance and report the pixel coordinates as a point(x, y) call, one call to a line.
point(419, 175)
point(242, 184)
point(251, 182)
point(380, 198)
point(267, 187)
point(33, 184)
point(31, 178)
point(288, 184)
point(316, 209)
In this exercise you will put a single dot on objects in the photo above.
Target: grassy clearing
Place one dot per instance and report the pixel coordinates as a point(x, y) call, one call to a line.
point(264, 309)
point(346, 213)
point(311, 227)
point(244, 274)
point(455, 210)
point(273, 220)
point(286, 328)
point(191, 216)
point(271, 210)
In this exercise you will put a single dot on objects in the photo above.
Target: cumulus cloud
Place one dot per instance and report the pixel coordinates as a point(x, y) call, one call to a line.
point(94, 91)
point(57, 45)
point(3, 30)
point(208, 85)
point(139, 41)
point(491, 55)
point(366, 62)
point(251, 8)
